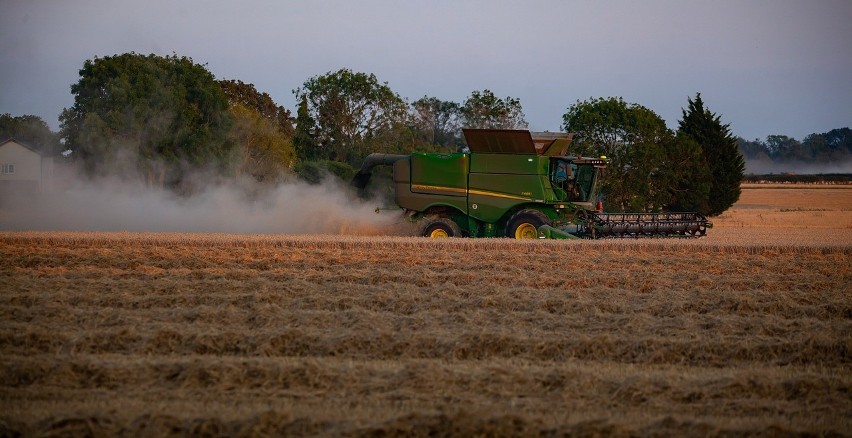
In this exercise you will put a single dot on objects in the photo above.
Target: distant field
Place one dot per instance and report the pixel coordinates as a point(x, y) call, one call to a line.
point(740, 333)
point(787, 214)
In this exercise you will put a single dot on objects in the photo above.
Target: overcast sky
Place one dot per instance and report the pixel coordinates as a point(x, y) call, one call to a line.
point(766, 66)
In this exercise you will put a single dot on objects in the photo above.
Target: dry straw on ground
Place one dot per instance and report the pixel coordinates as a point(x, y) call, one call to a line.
point(155, 334)
point(785, 214)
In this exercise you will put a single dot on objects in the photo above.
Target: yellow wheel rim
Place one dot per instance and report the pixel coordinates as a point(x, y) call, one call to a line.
point(438, 233)
point(526, 231)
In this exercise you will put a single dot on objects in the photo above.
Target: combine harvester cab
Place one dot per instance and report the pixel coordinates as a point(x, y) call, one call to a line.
point(518, 184)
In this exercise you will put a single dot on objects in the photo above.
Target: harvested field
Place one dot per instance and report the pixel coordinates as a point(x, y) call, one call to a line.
point(158, 334)
point(787, 214)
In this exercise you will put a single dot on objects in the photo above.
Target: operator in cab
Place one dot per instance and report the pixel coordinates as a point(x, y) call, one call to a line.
point(565, 178)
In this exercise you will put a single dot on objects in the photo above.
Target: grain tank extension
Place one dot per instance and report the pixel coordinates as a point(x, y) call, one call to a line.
point(518, 184)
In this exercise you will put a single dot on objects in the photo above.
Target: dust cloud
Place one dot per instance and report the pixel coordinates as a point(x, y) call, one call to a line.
point(114, 205)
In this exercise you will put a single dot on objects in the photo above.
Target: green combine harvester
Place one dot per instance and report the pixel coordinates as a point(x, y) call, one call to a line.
point(514, 183)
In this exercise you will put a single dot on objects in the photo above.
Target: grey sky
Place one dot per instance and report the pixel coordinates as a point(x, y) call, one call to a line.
point(766, 66)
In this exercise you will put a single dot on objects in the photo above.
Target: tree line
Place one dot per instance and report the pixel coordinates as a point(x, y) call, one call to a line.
point(158, 119)
point(830, 147)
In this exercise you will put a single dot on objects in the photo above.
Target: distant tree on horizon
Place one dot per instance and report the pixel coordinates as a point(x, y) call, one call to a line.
point(263, 131)
point(437, 121)
point(832, 148)
point(304, 138)
point(482, 109)
point(247, 95)
point(265, 153)
point(351, 113)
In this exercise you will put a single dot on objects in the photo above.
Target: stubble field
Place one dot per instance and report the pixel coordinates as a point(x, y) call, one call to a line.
point(745, 332)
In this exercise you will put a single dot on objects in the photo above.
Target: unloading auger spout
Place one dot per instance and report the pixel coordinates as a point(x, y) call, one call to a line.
point(362, 178)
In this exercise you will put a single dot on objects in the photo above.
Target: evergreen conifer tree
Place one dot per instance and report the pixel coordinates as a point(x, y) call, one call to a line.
point(720, 154)
point(303, 139)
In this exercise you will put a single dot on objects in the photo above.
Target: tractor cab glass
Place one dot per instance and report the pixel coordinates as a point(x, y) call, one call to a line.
point(571, 181)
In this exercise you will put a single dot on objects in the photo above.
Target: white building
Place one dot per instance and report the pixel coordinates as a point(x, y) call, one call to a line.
point(23, 169)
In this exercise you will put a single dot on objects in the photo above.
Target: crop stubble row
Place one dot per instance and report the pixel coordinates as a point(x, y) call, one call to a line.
point(122, 332)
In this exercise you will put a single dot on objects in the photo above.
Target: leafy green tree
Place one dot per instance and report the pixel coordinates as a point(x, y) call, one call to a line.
point(686, 177)
point(720, 154)
point(635, 140)
point(150, 115)
point(438, 122)
point(262, 130)
point(753, 149)
point(352, 113)
point(247, 95)
point(482, 109)
point(32, 131)
point(265, 153)
point(834, 146)
point(781, 147)
point(839, 139)
point(817, 147)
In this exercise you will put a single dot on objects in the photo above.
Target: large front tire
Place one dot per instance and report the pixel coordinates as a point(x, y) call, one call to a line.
point(524, 224)
point(440, 227)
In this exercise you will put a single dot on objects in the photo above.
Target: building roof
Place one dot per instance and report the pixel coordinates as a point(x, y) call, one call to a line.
point(20, 143)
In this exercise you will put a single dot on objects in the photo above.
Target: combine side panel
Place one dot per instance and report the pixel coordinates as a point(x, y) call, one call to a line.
point(500, 183)
point(439, 174)
point(489, 202)
point(426, 181)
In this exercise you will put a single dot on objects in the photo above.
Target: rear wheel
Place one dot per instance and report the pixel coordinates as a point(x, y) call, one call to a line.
point(440, 227)
point(524, 224)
